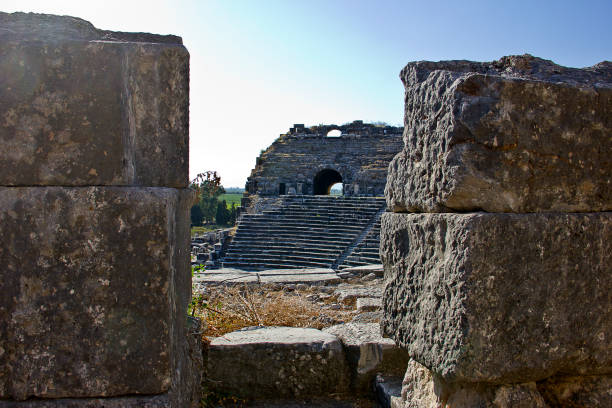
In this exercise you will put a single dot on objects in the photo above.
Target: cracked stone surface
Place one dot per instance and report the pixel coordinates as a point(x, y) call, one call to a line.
point(91, 275)
point(521, 134)
point(500, 297)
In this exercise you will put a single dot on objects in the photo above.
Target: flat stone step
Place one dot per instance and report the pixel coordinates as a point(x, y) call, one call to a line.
point(282, 251)
point(305, 246)
point(273, 261)
point(282, 257)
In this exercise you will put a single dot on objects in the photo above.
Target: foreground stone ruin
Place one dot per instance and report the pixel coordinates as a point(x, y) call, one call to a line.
point(94, 217)
point(513, 306)
point(497, 252)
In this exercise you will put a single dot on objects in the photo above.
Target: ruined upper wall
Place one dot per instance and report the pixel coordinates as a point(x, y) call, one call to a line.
point(361, 156)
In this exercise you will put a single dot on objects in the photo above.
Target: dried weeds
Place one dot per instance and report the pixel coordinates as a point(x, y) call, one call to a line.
point(224, 309)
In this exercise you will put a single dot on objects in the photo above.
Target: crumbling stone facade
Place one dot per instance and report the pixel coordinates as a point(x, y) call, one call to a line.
point(511, 307)
point(307, 161)
point(94, 252)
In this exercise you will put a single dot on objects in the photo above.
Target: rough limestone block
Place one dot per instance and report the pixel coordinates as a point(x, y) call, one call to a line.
point(500, 297)
point(349, 295)
point(422, 389)
point(520, 134)
point(368, 353)
point(80, 106)
point(95, 283)
point(277, 362)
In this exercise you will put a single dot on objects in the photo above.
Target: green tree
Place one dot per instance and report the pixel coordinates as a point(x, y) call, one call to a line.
point(208, 188)
point(196, 216)
point(233, 215)
point(223, 214)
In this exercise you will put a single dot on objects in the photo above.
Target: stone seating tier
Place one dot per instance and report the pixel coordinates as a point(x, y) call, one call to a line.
point(306, 231)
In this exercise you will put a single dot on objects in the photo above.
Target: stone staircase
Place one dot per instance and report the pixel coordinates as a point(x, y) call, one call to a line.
point(366, 252)
point(308, 232)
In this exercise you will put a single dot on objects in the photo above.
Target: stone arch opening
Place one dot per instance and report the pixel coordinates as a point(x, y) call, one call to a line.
point(324, 180)
point(336, 189)
point(334, 133)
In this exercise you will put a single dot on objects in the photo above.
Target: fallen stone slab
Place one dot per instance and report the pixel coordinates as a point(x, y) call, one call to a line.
point(349, 295)
point(368, 353)
point(113, 109)
point(277, 362)
point(312, 276)
point(378, 269)
point(501, 298)
point(89, 276)
point(368, 317)
point(520, 134)
point(368, 304)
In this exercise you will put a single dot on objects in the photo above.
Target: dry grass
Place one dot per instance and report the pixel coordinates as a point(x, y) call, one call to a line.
point(225, 309)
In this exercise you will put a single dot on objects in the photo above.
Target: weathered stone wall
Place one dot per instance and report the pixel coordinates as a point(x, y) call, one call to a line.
point(94, 206)
point(510, 307)
point(361, 156)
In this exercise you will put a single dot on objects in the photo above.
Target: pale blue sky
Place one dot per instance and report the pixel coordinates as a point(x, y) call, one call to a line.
point(257, 67)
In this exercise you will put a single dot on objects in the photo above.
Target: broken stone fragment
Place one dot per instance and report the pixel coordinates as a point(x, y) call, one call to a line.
point(95, 282)
point(521, 134)
point(423, 389)
point(85, 108)
point(368, 353)
point(500, 298)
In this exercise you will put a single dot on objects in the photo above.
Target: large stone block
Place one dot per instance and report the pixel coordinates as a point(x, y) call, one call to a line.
point(520, 134)
point(95, 283)
point(277, 362)
point(500, 297)
point(80, 106)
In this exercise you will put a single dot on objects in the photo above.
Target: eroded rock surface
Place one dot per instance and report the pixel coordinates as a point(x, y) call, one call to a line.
point(500, 297)
point(521, 134)
point(422, 389)
point(87, 274)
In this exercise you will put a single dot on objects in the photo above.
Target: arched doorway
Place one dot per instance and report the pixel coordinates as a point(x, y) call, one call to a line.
point(323, 181)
